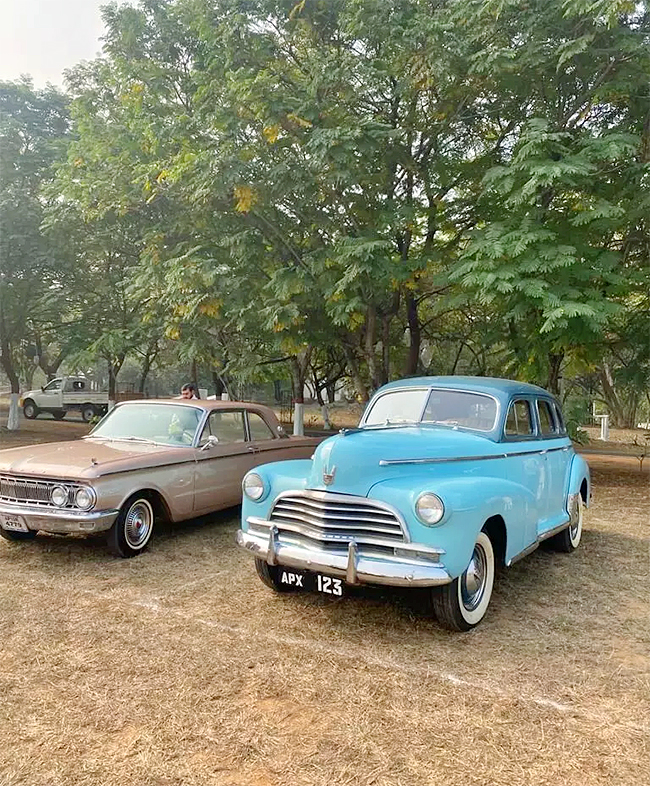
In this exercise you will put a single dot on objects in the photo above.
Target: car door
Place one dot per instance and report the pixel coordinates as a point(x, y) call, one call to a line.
point(527, 468)
point(267, 445)
point(223, 457)
point(557, 452)
point(51, 398)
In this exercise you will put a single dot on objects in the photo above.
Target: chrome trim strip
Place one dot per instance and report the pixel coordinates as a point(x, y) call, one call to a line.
point(528, 550)
point(553, 531)
point(540, 537)
point(453, 459)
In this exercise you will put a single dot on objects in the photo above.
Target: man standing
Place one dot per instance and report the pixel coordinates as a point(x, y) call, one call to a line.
point(188, 391)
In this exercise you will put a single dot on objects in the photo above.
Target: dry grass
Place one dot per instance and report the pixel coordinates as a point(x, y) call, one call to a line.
point(180, 668)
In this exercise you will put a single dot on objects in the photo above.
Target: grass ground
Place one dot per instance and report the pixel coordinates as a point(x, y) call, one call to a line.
point(179, 668)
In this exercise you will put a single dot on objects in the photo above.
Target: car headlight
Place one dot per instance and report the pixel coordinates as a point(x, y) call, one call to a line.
point(59, 496)
point(253, 486)
point(84, 498)
point(430, 508)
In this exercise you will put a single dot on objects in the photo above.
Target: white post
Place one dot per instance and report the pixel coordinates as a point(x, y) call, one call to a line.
point(326, 417)
point(604, 428)
point(298, 420)
point(13, 423)
point(225, 396)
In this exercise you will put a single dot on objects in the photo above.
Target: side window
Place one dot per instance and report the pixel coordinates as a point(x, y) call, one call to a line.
point(55, 384)
point(519, 422)
point(227, 427)
point(559, 419)
point(259, 427)
point(546, 419)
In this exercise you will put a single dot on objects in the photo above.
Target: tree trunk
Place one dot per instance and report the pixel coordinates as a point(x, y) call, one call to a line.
point(611, 396)
point(415, 336)
point(353, 365)
point(144, 373)
point(554, 372)
point(217, 384)
point(47, 366)
point(6, 361)
point(369, 343)
point(299, 367)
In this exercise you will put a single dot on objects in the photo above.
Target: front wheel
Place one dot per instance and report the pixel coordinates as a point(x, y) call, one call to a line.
point(10, 534)
point(569, 538)
point(30, 410)
point(87, 412)
point(270, 575)
point(132, 529)
point(462, 604)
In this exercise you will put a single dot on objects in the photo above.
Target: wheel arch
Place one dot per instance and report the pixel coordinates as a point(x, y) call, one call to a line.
point(155, 497)
point(495, 528)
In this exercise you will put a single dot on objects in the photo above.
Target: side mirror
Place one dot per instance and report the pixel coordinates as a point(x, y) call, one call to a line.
point(212, 441)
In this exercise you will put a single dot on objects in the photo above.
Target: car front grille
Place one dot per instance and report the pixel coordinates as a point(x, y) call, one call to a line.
point(27, 491)
point(333, 520)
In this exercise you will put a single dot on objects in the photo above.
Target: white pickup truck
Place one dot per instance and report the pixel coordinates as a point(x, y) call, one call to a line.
point(64, 395)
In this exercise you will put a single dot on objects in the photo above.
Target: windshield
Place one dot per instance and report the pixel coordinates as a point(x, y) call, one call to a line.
point(402, 406)
point(167, 424)
point(441, 407)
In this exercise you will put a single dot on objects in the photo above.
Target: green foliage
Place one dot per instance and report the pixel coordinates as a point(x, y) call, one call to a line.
point(396, 186)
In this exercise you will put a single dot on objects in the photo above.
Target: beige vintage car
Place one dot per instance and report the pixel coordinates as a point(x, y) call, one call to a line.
point(144, 461)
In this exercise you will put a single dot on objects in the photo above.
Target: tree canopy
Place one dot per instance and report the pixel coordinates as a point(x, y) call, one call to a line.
point(357, 188)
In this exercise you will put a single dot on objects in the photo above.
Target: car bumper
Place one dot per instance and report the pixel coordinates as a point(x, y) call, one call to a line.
point(61, 521)
point(412, 565)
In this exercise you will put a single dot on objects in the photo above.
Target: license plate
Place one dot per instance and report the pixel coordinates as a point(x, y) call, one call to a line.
point(15, 523)
point(312, 582)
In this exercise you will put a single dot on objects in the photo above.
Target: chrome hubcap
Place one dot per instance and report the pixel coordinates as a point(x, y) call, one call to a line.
point(472, 585)
point(576, 523)
point(137, 525)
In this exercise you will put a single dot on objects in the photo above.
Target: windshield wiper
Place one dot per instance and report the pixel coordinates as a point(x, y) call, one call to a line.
point(381, 426)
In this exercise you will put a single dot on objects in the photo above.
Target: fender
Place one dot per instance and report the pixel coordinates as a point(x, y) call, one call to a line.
point(278, 476)
point(469, 503)
point(578, 474)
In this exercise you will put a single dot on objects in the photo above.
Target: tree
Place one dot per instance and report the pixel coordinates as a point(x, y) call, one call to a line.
point(33, 133)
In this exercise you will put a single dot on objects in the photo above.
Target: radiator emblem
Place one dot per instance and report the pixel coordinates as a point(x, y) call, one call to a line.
point(328, 477)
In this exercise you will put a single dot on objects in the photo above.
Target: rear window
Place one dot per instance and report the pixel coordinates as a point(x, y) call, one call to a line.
point(548, 426)
point(519, 422)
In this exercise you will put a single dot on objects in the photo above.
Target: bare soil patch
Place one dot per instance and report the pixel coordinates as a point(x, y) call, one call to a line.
point(179, 668)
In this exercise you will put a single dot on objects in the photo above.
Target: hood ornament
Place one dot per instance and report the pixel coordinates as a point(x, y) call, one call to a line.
point(328, 477)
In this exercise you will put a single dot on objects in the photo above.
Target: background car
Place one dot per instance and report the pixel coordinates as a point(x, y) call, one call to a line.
point(143, 461)
point(445, 478)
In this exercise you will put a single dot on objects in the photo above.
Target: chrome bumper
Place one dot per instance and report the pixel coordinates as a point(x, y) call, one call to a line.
point(412, 565)
point(61, 521)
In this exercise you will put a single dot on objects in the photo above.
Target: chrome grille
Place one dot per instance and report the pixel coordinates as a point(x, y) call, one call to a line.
point(28, 491)
point(336, 519)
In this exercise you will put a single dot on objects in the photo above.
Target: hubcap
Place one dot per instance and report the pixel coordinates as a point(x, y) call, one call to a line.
point(473, 580)
point(576, 524)
point(137, 525)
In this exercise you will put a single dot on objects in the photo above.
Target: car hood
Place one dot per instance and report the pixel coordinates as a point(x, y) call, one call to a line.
point(88, 458)
point(354, 457)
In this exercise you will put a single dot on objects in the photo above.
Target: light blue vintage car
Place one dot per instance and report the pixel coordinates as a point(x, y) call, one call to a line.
point(444, 478)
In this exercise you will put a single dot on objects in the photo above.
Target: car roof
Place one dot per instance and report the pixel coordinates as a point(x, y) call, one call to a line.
point(197, 402)
point(490, 385)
